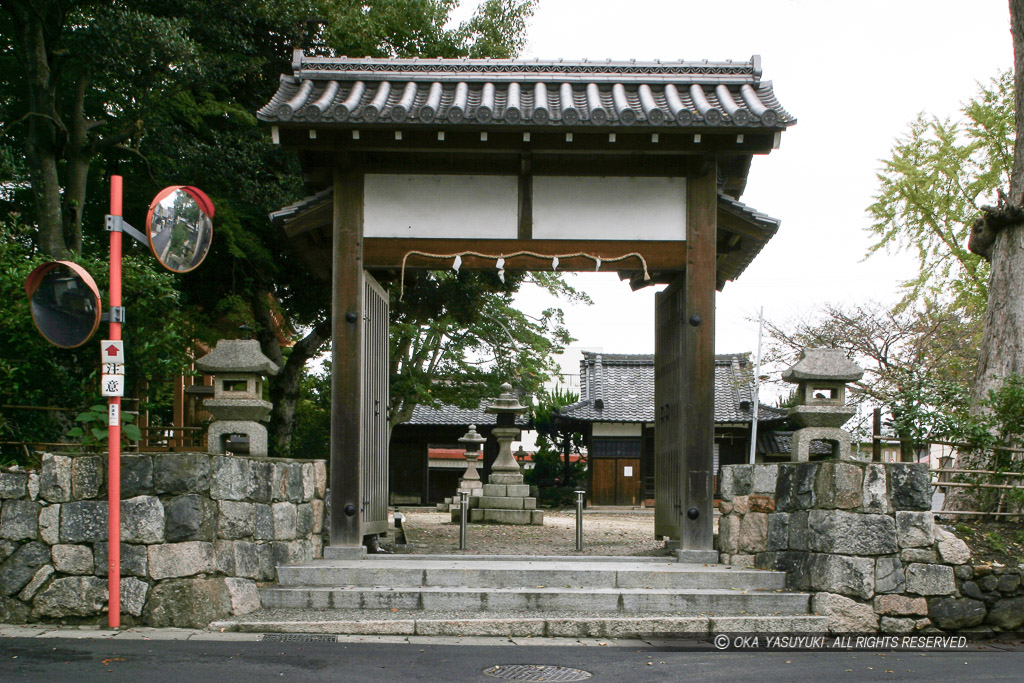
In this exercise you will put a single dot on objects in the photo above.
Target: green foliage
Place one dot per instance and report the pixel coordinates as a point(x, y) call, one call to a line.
point(940, 174)
point(92, 427)
point(312, 435)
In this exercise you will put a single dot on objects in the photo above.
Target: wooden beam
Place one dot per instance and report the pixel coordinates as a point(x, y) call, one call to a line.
point(525, 199)
point(698, 360)
point(385, 252)
point(346, 356)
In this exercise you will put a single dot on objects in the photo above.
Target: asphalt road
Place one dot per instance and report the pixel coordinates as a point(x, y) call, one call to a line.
point(151, 661)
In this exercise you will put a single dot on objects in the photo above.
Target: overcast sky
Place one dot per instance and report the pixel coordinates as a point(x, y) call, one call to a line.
point(853, 73)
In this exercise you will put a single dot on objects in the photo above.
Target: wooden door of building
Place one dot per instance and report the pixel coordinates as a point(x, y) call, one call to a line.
point(617, 481)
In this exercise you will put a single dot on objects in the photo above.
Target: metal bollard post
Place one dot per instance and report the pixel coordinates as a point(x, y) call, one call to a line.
point(579, 520)
point(463, 517)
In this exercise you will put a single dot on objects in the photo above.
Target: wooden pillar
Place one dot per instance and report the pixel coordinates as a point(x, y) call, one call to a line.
point(669, 422)
point(698, 399)
point(346, 359)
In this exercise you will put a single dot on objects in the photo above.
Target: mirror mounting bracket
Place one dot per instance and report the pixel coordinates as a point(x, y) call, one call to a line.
point(119, 224)
point(114, 314)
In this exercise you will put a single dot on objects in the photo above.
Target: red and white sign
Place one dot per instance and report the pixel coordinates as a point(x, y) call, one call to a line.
point(112, 351)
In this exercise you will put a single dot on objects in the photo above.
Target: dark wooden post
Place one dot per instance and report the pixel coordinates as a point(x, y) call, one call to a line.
point(346, 357)
point(876, 436)
point(698, 360)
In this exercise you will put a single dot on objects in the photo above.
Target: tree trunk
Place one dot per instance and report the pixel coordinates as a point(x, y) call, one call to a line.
point(1002, 342)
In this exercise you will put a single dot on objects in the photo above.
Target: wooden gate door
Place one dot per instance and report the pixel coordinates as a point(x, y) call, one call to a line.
point(374, 455)
point(669, 307)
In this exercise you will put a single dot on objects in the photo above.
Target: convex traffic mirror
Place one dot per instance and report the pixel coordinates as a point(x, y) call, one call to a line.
point(179, 227)
point(65, 303)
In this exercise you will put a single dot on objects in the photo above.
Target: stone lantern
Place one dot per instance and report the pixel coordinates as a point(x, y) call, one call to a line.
point(821, 376)
point(470, 480)
point(237, 406)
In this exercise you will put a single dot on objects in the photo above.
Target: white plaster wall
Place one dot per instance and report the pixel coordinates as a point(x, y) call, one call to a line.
point(617, 429)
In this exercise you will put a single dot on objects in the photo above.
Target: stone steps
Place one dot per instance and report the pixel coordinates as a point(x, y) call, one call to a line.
point(692, 601)
point(551, 624)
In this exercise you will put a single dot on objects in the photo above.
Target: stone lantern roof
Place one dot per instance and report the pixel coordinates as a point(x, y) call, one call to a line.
point(829, 365)
point(237, 355)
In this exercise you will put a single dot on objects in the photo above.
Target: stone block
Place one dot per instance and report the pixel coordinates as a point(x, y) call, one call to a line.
point(517, 490)
point(303, 520)
point(19, 520)
point(529, 503)
point(136, 475)
point(953, 614)
point(181, 472)
point(142, 520)
point(493, 490)
point(901, 605)
point(261, 487)
point(230, 478)
point(875, 497)
point(799, 534)
point(839, 485)
point(263, 522)
point(476, 515)
point(7, 548)
point(33, 485)
point(736, 480)
point(501, 503)
point(889, 577)
point(910, 486)
point(778, 531)
point(964, 572)
point(508, 516)
point(190, 517)
point(951, 549)
point(244, 595)
point(71, 596)
point(794, 489)
point(19, 568)
point(753, 536)
point(173, 560)
point(505, 478)
point(286, 481)
point(72, 559)
point(318, 515)
point(55, 478)
point(843, 574)
point(760, 503)
point(739, 561)
point(897, 625)
point(320, 478)
point(86, 476)
point(915, 529)
point(284, 514)
point(308, 482)
point(850, 533)
point(844, 614)
point(537, 517)
point(1007, 614)
point(187, 603)
point(83, 521)
point(1008, 583)
point(291, 552)
point(237, 519)
point(797, 565)
point(33, 586)
point(13, 611)
point(930, 579)
point(740, 505)
point(247, 560)
point(765, 479)
point(729, 534)
point(224, 556)
point(134, 559)
point(265, 559)
point(13, 485)
point(133, 596)
point(924, 555)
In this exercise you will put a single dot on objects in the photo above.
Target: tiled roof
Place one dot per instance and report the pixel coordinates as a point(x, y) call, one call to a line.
point(444, 415)
point(500, 92)
point(623, 386)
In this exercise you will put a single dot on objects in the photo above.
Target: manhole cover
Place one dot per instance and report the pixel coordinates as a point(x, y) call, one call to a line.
point(537, 672)
point(298, 638)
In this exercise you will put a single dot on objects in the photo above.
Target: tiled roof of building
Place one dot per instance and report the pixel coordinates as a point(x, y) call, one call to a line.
point(444, 415)
point(503, 92)
point(620, 388)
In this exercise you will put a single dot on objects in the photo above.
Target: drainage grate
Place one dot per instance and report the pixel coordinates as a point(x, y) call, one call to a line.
point(298, 638)
point(537, 672)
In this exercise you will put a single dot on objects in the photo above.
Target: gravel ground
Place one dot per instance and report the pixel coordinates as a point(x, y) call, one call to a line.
point(610, 533)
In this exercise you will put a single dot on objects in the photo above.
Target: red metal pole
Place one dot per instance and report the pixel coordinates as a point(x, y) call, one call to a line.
point(114, 440)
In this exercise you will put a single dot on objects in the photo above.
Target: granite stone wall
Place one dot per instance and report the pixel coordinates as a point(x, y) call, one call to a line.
point(862, 539)
point(198, 531)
